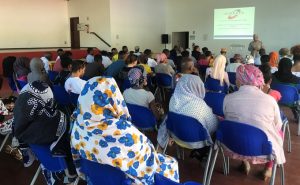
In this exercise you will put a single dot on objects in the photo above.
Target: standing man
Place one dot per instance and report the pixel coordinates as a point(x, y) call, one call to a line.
point(254, 48)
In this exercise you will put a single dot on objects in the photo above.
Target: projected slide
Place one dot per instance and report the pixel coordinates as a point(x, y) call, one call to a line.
point(234, 23)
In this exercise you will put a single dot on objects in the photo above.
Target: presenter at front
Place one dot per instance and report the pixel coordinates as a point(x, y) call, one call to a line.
point(254, 48)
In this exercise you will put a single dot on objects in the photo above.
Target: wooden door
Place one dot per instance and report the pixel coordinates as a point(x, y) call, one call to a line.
point(75, 34)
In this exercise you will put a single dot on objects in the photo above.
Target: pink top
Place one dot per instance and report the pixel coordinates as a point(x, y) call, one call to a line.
point(203, 62)
point(250, 105)
point(57, 66)
point(275, 94)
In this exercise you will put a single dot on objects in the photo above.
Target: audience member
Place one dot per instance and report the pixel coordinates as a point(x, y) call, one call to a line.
point(184, 54)
point(249, 60)
point(143, 62)
point(94, 69)
point(237, 61)
point(262, 52)
point(296, 66)
point(170, 61)
point(115, 68)
point(137, 51)
point(45, 59)
point(38, 121)
point(74, 83)
point(131, 62)
point(265, 59)
point(223, 51)
point(151, 62)
point(125, 49)
point(188, 67)
point(163, 66)
point(274, 59)
point(249, 105)
point(137, 95)
point(284, 73)
point(57, 66)
point(21, 68)
point(114, 140)
point(8, 66)
point(114, 53)
point(38, 72)
point(105, 59)
point(90, 55)
point(295, 50)
point(173, 53)
point(218, 71)
point(196, 52)
point(284, 52)
point(66, 64)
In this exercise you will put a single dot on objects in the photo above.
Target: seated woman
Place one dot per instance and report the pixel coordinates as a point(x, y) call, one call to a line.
point(137, 95)
point(143, 62)
point(38, 72)
point(250, 105)
point(37, 121)
point(284, 73)
point(163, 66)
point(74, 83)
point(131, 62)
point(188, 101)
point(103, 133)
point(274, 59)
point(21, 68)
point(218, 71)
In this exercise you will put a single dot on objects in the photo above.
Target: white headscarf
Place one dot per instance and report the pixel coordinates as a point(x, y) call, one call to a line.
point(218, 69)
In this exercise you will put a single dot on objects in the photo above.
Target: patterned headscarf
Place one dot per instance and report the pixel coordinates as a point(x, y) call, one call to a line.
point(274, 58)
point(135, 77)
point(249, 75)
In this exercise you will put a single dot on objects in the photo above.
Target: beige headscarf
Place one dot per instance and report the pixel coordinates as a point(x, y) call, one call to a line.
point(218, 69)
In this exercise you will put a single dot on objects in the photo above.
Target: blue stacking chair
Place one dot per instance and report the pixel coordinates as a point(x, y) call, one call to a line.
point(232, 77)
point(214, 85)
point(142, 117)
point(286, 130)
point(289, 97)
point(52, 75)
point(74, 98)
point(53, 164)
point(215, 101)
point(103, 174)
point(21, 84)
point(184, 129)
point(61, 95)
point(245, 140)
point(164, 81)
point(161, 180)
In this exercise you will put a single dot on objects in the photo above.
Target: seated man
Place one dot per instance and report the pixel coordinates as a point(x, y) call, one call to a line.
point(114, 69)
point(131, 62)
point(237, 61)
point(137, 95)
point(94, 69)
point(74, 83)
point(66, 64)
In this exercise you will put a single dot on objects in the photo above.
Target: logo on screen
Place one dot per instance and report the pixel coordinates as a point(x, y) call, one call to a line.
point(234, 14)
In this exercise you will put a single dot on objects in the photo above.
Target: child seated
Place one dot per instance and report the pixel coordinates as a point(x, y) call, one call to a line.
point(74, 83)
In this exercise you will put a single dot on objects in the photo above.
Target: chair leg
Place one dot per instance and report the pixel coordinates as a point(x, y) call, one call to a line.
point(272, 181)
point(224, 162)
point(228, 165)
point(77, 181)
point(289, 138)
point(182, 153)
point(4, 141)
point(212, 167)
point(282, 174)
point(298, 125)
point(36, 175)
point(207, 165)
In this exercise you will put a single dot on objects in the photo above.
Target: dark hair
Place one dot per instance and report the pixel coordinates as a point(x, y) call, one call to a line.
point(295, 50)
point(262, 51)
point(125, 49)
point(204, 49)
point(266, 71)
point(296, 59)
point(65, 61)
point(147, 52)
point(98, 58)
point(113, 49)
point(207, 53)
point(59, 50)
point(185, 53)
point(77, 65)
point(68, 54)
point(130, 59)
point(104, 53)
point(143, 59)
point(166, 51)
point(89, 50)
point(121, 55)
point(196, 47)
point(265, 59)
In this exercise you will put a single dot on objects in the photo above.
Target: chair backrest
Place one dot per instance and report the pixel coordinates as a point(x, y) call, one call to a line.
point(103, 174)
point(244, 139)
point(52, 75)
point(232, 77)
point(185, 128)
point(215, 101)
point(43, 153)
point(21, 83)
point(74, 98)
point(164, 80)
point(12, 83)
point(161, 180)
point(142, 117)
point(289, 93)
point(61, 95)
point(214, 85)
point(125, 85)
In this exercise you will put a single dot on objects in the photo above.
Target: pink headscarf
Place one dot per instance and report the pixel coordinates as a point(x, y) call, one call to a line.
point(161, 58)
point(250, 75)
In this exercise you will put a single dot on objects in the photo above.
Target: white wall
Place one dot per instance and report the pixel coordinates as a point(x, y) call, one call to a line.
point(96, 13)
point(138, 23)
point(276, 22)
point(33, 23)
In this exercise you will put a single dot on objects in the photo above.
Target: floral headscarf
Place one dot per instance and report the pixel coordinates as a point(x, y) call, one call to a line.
point(249, 75)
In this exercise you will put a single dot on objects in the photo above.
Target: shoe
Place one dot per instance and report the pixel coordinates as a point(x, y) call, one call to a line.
point(267, 173)
point(28, 157)
point(245, 167)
